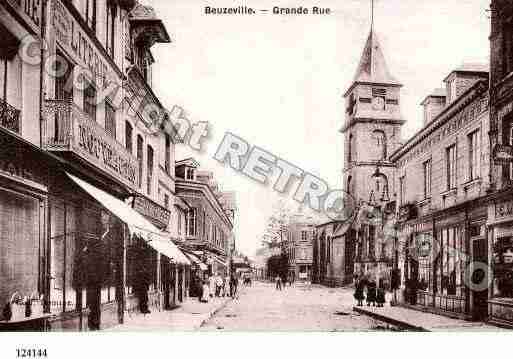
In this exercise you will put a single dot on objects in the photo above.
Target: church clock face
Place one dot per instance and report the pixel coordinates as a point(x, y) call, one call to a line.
point(378, 103)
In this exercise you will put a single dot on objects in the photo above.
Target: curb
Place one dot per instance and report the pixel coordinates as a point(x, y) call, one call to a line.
point(212, 313)
point(389, 320)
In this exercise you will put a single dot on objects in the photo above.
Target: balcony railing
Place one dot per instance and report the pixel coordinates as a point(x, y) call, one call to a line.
point(69, 128)
point(59, 116)
point(10, 117)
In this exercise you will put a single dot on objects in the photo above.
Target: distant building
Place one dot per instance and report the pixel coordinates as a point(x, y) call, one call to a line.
point(209, 220)
point(333, 257)
point(299, 249)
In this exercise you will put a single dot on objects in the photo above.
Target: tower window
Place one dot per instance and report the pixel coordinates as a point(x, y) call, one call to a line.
point(402, 190)
point(381, 144)
point(379, 92)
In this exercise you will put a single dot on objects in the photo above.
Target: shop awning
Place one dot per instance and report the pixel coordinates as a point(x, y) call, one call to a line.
point(165, 246)
point(137, 224)
point(197, 261)
point(220, 261)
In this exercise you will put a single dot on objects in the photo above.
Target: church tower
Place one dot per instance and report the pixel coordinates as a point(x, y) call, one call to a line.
point(372, 126)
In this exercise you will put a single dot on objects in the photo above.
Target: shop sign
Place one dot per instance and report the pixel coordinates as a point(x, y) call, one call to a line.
point(93, 143)
point(69, 34)
point(17, 164)
point(151, 210)
point(29, 10)
point(503, 210)
point(502, 154)
point(407, 212)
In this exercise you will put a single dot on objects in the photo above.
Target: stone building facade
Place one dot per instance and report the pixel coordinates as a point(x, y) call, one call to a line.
point(99, 194)
point(299, 247)
point(209, 220)
point(442, 181)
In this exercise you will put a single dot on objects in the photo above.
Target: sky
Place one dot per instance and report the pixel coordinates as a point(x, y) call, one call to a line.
point(278, 81)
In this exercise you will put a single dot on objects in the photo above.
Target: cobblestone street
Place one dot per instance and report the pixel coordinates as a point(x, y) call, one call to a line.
point(300, 307)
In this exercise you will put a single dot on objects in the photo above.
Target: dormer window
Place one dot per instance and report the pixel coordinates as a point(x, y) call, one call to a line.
point(453, 90)
point(142, 61)
point(189, 174)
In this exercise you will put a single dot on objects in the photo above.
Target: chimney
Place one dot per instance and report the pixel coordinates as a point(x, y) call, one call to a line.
point(434, 104)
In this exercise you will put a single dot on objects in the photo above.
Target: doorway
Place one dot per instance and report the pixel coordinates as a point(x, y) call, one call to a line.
point(479, 275)
point(173, 282)
point(165, 282)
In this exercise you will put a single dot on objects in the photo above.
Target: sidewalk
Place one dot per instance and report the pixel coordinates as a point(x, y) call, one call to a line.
point(187, 317)
point(422, 321)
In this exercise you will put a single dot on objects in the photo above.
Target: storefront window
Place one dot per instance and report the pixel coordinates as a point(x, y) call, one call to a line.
point(451, 262)
point(57, 258)
point(63, 265)
point(70, 300)
point(424, 243)
point(503, 267)
point(19, 246)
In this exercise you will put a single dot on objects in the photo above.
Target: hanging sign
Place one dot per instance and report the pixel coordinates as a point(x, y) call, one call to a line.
point(502, 154)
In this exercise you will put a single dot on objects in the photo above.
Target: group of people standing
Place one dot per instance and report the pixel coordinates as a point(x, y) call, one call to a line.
point(367, 289)
point(218, 286)
point(281, 283)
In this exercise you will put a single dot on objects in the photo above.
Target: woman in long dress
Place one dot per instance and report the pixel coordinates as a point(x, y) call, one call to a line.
point(205, 296)
point(212, 285)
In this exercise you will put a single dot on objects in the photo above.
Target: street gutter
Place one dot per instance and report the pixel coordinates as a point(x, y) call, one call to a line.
point(392, 321)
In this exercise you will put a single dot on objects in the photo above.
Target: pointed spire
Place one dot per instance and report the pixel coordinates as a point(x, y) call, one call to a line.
point(373, 67)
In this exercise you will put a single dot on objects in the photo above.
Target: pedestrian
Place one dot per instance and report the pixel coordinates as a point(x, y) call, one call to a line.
point(278, 282)
point(212, 285)
point(205, 295)
point(371, 293)
point(233, 286)
point(199, 288)
point(358, 294)
point(380, 296)
point(284, 281)
point(226, 289)
point(219, 285)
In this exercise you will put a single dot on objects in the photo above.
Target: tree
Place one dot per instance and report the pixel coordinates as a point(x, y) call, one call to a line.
point(275, 232)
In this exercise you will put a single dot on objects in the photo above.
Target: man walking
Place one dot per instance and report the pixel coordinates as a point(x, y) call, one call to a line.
point(219, 285)
point(278, 282)
point(233, 286)
point(212, 285)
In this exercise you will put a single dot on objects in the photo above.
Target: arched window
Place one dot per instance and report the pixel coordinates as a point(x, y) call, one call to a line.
point(380, 141)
